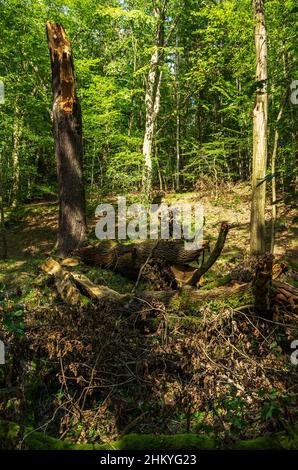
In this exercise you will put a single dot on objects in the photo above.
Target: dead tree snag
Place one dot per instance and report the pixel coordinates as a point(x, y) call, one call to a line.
point(67, 129)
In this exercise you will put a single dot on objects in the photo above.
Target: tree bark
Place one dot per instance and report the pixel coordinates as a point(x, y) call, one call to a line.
point(152, 99)
point(17, 132)
point(67, 129)
point(260, 121)
point(177, 85)
point(2, 221)
point(129, 259)
point(262, 286)
point(273, 167)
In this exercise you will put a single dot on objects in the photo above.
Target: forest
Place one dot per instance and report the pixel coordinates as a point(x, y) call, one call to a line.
point(148, 225)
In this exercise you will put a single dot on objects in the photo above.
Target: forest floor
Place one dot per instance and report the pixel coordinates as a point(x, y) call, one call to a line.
point(33, 233)
point(96, 373)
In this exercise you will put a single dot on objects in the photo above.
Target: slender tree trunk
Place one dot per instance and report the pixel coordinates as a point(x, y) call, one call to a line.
point(2, 221)
point(17, 132)
point(273, 169)
point(152, 100)
point(132, 114)
point(177, 114)
point(260, 122)
point(67, 129)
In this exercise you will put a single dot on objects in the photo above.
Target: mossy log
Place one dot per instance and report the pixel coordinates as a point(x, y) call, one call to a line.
point(195, 296)
point(12, 437)
point(281, 294)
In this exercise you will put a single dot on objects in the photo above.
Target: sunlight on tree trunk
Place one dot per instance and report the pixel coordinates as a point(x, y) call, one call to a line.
point(177, 85)
point(260, 120)
point(273, 170)
point(152, 100)
point(3, 252)
point(17, 133)
point(67, 128)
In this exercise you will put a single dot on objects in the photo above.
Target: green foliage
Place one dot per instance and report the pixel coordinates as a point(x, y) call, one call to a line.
point(208, 82)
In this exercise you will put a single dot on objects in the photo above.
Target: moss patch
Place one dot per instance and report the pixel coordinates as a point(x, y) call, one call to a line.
point(12, 437)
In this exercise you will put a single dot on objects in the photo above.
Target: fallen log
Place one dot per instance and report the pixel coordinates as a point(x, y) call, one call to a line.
point(194, 295)
point(68, 292)
point(285, 293)
point(282, 294)
point(70, 286)
point(13, 436)
point(129, 259)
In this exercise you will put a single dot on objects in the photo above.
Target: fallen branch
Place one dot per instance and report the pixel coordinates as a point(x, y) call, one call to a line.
point(97, 292)
point(194, 279)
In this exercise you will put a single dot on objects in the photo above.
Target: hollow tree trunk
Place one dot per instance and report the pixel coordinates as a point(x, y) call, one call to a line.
point(67, 129)
point(260, 118)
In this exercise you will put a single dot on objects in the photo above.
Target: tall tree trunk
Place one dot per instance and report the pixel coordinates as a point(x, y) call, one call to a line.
point(67, 129)
point(152, 99)
point(2, 221)
point(260, 122)
point(273, 169)
point(16, 138)
point(177, 83)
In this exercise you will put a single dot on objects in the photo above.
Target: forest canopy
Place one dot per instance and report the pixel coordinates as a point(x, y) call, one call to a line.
point(207, 91)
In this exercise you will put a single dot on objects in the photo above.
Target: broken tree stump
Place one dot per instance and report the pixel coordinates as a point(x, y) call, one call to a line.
point(67, 131)
point(262, 285)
